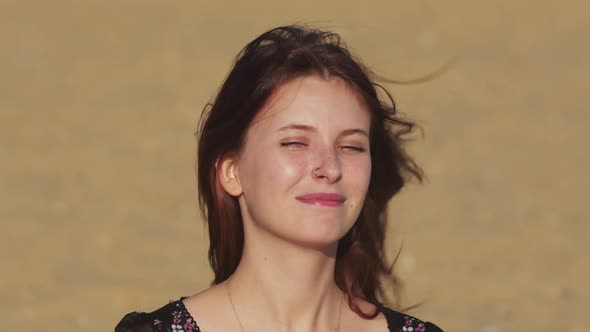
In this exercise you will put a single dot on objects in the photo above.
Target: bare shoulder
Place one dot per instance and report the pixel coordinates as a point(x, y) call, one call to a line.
point(387, 320)
point(209, 308)
point(351, 321)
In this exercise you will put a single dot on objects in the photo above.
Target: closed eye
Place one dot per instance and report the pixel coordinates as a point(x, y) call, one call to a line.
point(294, 144)
point(353, 148)
point(300, 145)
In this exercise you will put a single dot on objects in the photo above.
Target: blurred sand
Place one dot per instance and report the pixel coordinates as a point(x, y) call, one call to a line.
point(98, 105)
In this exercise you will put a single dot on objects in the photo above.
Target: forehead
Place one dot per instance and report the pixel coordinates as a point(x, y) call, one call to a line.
point(316, 101)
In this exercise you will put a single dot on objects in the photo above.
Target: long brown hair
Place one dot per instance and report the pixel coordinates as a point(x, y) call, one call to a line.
point(273, 58)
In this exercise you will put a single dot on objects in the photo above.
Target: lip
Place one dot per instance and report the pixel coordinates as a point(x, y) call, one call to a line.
point(322, 199)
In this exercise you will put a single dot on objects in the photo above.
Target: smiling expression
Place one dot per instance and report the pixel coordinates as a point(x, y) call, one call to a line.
point(305, 167)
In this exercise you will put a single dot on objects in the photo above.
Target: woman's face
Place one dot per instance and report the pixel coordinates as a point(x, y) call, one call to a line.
point(305, 167)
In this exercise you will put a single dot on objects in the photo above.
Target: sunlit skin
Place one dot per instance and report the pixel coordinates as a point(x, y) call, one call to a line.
point(308, 124)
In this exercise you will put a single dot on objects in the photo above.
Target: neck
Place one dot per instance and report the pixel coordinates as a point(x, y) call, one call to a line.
point(287, 286)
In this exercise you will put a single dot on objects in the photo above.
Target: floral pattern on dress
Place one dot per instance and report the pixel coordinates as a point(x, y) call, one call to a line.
point(412, 324)
point(174, 317)
point(158, 325)
point(182, 321)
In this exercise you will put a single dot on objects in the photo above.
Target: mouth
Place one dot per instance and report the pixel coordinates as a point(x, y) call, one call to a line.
point(322, 199)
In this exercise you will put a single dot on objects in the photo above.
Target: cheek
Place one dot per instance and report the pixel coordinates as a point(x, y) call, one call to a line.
point(291, 168)
point(282, 171)
point(361, 174)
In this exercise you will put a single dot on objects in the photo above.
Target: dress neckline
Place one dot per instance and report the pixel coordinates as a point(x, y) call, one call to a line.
point(187, 314)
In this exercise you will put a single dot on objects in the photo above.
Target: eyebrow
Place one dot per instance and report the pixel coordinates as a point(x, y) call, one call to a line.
point(345, 132)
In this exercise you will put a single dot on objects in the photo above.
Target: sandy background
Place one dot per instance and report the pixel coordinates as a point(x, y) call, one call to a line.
point(99, 102)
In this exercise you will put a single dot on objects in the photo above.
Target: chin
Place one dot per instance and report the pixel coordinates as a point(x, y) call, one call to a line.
point(329, 247)
point(319, 237)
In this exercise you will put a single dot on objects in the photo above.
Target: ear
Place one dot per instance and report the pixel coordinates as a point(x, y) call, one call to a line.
point(227, 175)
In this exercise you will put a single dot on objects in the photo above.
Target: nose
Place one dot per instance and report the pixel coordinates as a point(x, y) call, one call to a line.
point(328, 169)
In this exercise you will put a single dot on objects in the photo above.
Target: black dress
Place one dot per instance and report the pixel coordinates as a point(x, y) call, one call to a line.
point(173, 317)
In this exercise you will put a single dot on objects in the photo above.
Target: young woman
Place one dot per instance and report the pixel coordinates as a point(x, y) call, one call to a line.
point(298, 158)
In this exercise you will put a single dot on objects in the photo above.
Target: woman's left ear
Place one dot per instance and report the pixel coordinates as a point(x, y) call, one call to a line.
point(227, 175)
